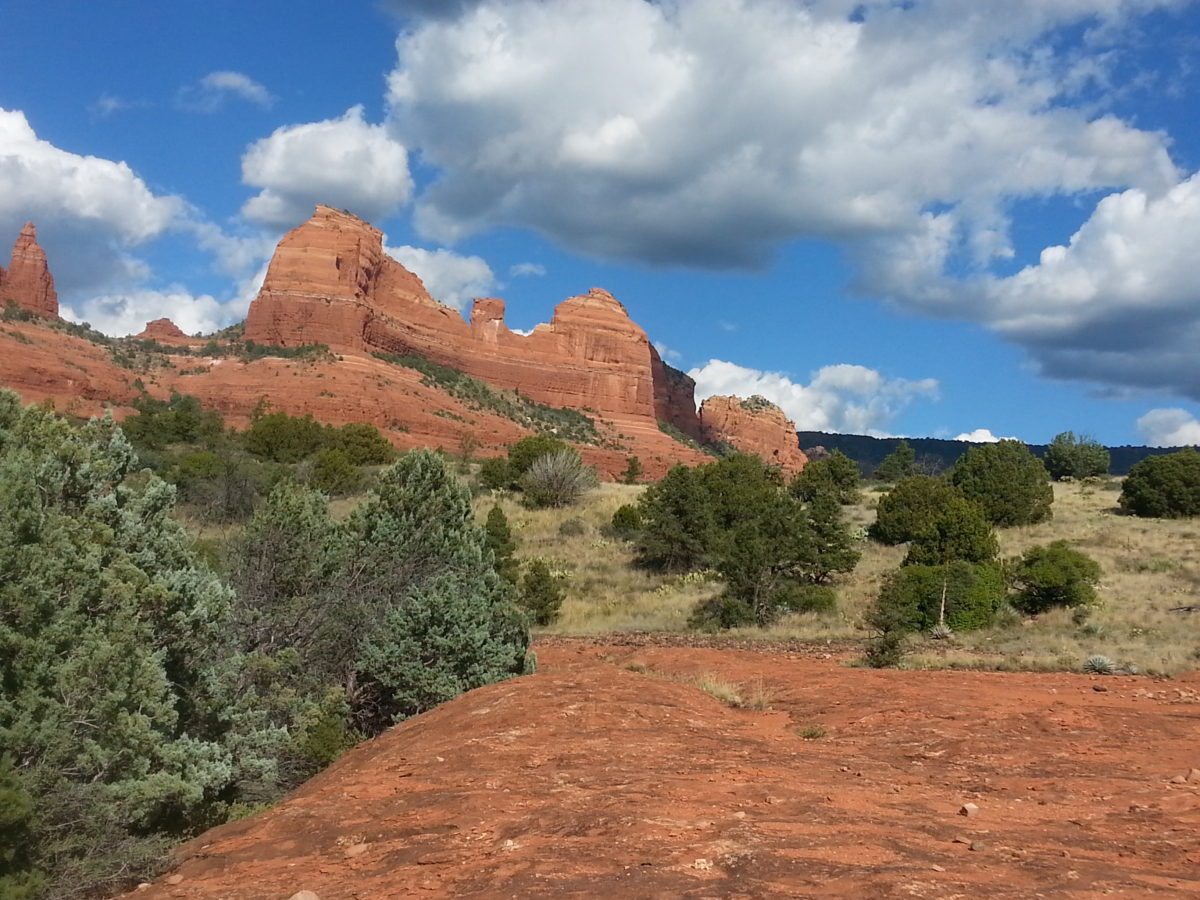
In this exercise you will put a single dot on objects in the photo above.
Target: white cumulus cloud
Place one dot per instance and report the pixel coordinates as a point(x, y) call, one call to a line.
point(128, 312)
point(707, 133)
point(844, 398)
point(980, 436)
point(90, 212)
point(1169, 428)
point(344, 162)
point(450, 278)
point(209, 94)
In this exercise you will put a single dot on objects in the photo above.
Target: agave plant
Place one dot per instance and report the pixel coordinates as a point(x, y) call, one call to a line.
point(941, 632)
point(1100, 665)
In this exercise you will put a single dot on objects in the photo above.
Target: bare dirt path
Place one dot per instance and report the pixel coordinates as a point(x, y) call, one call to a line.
point(592, 780)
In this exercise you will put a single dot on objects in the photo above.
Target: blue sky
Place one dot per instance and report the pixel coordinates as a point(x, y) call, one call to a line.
point(929, 218)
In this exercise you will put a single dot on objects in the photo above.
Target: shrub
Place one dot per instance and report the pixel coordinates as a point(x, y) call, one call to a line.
point(495, 473)
point(721, 612)
point(541, 595)
point(805, 598)
point(1054, 575)
point(901, 463)
point(333, 473)
point(836, 475)
point(573, 527)
point(557, 479)
point(1008, 482)
point(633, 470)
point(179, 420)
point(627, 521)
point(961, 594)
point(885, 650)
point(909, 510)
point(526, 451)
point(1165, 486)
point(1069, 456)
point(957, 530)
point(362, 444)
point(283, 438)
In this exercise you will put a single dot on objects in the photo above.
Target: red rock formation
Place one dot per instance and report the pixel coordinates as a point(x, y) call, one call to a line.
point(164, 331)
point(28, 280)
point(331, 283)
point(754, 426)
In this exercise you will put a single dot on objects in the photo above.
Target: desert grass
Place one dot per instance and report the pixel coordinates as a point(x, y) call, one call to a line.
point(604, 592)
point(753, 695)
point(1149, 565)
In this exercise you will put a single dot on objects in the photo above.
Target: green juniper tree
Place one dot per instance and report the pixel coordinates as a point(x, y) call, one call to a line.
point(500, 542)
point(113, 642)
point(1166, 486)
point(901, 463)
point(1007, 481)
point(1069, 456)
point(836, 475)
point(400, 606)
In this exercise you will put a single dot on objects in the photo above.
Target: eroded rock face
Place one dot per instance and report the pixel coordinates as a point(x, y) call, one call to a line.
point(754, 426)
point(164, 331)
point(331, 283)
point(28, 280)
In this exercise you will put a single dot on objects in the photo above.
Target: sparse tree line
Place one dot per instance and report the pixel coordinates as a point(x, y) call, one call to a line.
point(780, 548)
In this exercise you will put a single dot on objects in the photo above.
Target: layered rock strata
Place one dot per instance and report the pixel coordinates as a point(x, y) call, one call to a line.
point(330, 282)
point(754, 426)
point(27, 280)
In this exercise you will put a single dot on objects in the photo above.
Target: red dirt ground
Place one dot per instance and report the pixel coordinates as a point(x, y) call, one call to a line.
point(592, 780)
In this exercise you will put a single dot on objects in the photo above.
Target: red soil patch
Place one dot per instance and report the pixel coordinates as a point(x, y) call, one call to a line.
point(591, 780)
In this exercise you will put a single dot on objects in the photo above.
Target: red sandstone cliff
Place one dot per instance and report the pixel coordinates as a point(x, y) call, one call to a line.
point(27, 279)
point(754, 426)
point(331, 283)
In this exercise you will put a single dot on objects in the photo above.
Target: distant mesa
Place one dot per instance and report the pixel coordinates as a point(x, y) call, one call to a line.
point(164, 331)
point(27, 280)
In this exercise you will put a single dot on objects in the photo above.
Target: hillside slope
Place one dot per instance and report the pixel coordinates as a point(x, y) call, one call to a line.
point(592, 780)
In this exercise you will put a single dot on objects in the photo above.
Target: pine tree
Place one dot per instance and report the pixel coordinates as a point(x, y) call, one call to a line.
point(633, 470)
point(678, 527)
point(901, 463)
point(836, 475)
point(499, 540)
point(541, 594)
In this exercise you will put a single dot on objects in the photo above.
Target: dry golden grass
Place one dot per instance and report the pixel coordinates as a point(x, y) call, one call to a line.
point(604, 592)
point(1149, 566)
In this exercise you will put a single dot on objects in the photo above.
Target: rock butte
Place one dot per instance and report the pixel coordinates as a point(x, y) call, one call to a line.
point(330, 282)
point(28, 281)
point(164, 331)
point(754, 426)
